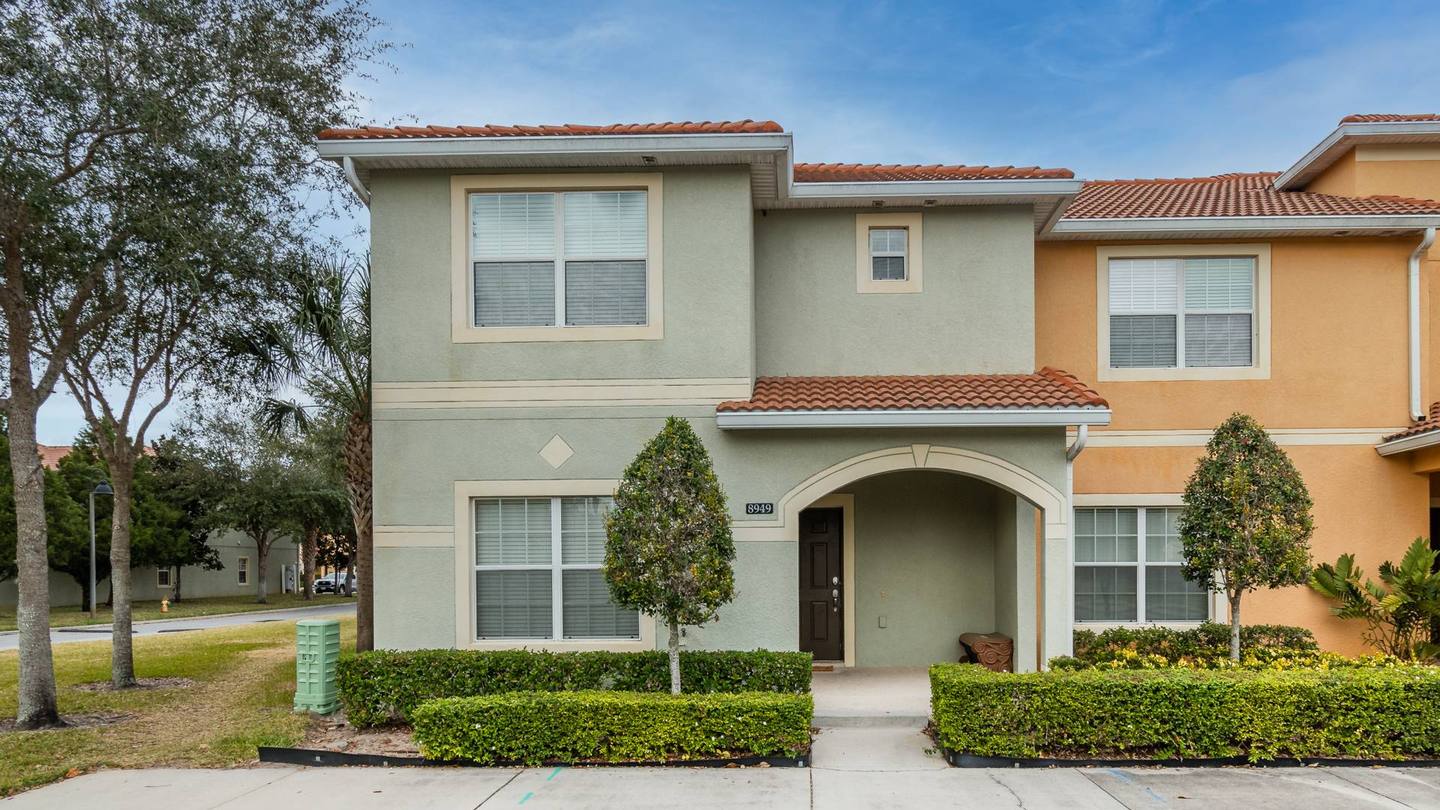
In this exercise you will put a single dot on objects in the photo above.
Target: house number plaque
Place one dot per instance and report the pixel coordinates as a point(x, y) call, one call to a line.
point(756, 508)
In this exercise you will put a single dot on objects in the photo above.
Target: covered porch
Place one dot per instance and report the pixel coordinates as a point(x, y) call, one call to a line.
point(948, 511)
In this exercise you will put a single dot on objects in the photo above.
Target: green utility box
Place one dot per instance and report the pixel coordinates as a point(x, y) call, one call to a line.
point(317, 651)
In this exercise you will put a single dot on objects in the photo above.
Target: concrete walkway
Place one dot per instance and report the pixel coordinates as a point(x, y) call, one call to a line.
point(872, 696)
point(10, 639)
point(267, 788)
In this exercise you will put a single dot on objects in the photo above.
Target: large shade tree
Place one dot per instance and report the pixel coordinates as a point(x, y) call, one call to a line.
point(132, 127)
point(668, 549)
point(1246, 522)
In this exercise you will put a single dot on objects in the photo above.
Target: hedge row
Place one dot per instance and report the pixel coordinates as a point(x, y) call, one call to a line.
point(534, 728)
point(385, 686)
point(1206, 643)
point(1374, 713)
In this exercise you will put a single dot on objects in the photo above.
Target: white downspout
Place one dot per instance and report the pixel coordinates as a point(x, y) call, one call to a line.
point(1417, 408)
point(1082, 435)
point(353, 179)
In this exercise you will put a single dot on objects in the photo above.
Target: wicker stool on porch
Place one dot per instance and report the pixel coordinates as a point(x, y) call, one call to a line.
point(994, 651)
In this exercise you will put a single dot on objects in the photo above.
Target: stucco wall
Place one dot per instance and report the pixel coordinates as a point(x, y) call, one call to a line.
point(924, 566)
point(975, 314)
point(707, 267)
point(1337, 328)
point(1402, 170)
point(421, 454)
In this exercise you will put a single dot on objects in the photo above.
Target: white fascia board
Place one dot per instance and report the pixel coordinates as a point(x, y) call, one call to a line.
point(934, 188)
point(955, 417)
point(1376, 222)
point(578, 145)
point(1334, 144)
point(1419, 441)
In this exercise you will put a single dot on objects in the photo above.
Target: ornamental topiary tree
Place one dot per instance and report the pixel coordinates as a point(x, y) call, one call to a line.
point(668, 547)
point(1246, 522)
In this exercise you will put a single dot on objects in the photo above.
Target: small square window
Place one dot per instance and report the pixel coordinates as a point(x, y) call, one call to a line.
point(242, 571)
point(888, 248)
point(162, 577)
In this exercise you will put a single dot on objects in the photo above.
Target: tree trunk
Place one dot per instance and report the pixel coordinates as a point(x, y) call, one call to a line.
point(122, 653)
point(262, 567)
point(175, 595)
point(307, 563)
point(359, 488)
point(1235, 626)
point(674, 658)
point(36, 689)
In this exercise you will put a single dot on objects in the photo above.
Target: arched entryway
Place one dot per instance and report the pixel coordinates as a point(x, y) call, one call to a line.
point(983, 527)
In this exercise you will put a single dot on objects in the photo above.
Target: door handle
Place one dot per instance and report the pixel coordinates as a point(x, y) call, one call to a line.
point(835, 594)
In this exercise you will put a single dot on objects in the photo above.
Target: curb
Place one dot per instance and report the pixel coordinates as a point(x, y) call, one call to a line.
point(327, 759)
point(959, 760)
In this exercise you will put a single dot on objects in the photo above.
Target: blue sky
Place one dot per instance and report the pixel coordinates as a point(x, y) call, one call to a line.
point(1108, 89)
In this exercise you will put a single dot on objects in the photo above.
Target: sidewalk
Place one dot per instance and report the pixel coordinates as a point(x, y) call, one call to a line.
point(265, 788)
point(10, 639)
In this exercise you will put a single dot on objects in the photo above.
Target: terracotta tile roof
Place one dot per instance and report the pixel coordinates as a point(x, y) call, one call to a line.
point(881, 172)
point(1429, 423)
point(1380, 118)
point(1225, 195)
point(1046, 388)
point(498, 130)
point(50, 454)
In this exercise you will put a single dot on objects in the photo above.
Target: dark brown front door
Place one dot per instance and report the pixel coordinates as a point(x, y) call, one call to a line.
point(822, 632)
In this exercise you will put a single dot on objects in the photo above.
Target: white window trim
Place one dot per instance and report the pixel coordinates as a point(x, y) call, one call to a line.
point(242, 570)
point(163, 573)
point(1139, 502)
point(466, 492)
point(1260, 320)
point(462, 290)
point(913, 282)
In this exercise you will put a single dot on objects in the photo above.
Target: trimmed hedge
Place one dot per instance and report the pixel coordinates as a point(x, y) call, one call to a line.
point(385, 686)
point(1374, 713)
point(534, 728)
point(1206, 643)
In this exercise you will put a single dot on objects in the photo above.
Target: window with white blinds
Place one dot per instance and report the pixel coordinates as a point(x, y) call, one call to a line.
point(577, 258)
point(887, 253)
point(1128, 568)
point(1182, 313)
point(538, 571)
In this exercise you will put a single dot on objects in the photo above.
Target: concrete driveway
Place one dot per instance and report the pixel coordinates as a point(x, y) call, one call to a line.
point(10, 639)
point(267, 788)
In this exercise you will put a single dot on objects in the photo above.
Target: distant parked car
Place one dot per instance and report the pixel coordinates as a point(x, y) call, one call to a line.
point(335, 583)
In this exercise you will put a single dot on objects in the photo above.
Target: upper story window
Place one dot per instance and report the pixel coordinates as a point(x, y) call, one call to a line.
point(887, 254)
point(577, 258)
point(550, 257)
point(1188, 312)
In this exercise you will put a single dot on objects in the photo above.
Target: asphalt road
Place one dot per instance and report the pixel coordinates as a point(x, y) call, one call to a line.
point(10, 639)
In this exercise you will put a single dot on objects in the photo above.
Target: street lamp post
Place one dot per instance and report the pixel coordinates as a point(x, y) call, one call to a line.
point(103, 488)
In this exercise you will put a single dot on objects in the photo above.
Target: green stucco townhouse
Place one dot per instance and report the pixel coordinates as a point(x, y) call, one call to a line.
point(855, 345)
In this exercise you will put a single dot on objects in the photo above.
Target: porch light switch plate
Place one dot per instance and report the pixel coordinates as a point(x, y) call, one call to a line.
point(556, 451)
point(883, 622)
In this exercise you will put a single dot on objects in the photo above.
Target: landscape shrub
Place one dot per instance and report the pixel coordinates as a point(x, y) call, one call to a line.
point(1207, 643)
point(1273, 658)
point(534, 728)
point(1371, 713)
point(384, 686)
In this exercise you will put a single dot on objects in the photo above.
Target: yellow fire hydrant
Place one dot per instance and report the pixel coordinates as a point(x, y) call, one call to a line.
point(164, 605)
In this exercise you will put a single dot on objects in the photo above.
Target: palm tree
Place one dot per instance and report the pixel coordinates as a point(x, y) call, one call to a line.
point(320, 345)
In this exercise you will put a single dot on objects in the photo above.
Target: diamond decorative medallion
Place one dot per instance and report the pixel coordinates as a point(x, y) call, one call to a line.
point(556, 451)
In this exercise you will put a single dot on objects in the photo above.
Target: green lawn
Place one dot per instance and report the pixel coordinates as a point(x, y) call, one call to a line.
point(245, 680)
point(144, 611)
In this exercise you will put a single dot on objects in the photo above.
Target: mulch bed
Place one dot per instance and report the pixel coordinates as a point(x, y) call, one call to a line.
point(75, 721)
point(140, 683)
